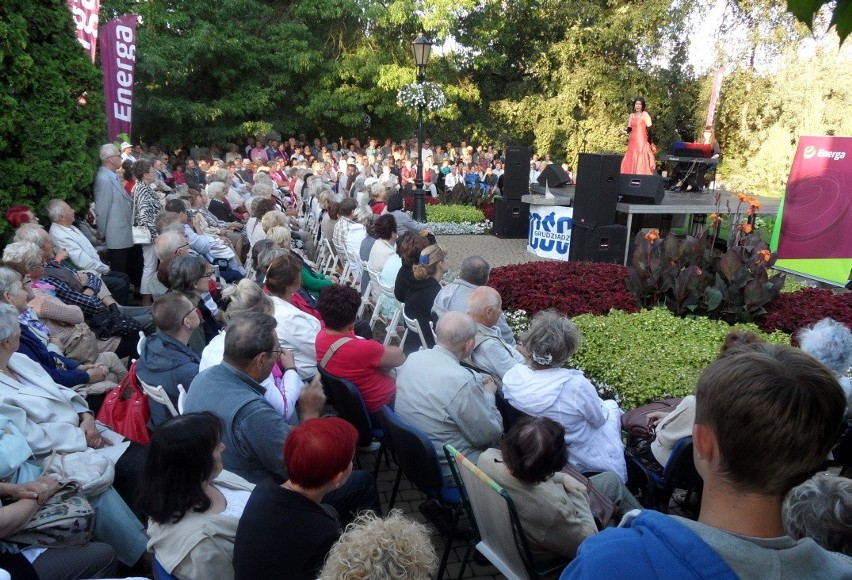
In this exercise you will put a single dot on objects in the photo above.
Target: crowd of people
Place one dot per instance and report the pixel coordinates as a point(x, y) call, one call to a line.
point(220, 262)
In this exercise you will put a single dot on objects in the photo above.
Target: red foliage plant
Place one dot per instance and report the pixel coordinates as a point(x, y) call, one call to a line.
point(790, 311)
point(574, 288)
point(408, 201)
point(488, 211)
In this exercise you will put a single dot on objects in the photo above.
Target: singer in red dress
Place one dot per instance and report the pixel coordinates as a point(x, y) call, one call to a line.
point(639, 157)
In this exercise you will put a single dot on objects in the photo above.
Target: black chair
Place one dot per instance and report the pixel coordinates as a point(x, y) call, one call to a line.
point(509, 413)
point(347, 399)
point(657, 488)
point(417, 458)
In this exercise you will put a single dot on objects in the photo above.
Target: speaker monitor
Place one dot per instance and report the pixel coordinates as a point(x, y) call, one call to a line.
point(511, 218)
point(641, 189)
point(601, 244)
point(597, 189)
point(516, 172)
point(554, 176)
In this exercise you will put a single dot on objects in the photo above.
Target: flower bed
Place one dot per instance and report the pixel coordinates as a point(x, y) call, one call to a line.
point(790, 311)
point(457, 214)
point(466, 228)
point(408, 201)
point(574, 288)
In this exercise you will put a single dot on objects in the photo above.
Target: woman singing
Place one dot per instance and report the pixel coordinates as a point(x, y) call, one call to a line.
point(639, 157)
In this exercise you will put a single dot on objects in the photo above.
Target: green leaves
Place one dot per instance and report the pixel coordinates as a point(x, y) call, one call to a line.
point(841, 18)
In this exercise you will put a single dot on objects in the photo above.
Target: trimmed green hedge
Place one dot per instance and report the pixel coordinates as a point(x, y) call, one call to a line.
point(651, 354)
point(454, 214)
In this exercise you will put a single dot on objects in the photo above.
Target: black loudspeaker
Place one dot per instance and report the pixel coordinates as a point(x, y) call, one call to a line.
point(641, 189)
point(554, 176)
point(601, 244)
point(511, 218)
point(516, 172)
point(597, 189)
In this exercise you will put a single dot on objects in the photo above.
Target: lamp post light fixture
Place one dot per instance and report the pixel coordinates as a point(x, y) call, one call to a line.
point(421, 47)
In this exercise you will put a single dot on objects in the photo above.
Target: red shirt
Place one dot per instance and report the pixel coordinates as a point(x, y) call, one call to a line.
point(358, 361)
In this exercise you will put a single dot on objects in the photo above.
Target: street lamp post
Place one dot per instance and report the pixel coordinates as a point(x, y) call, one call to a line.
point(421, 47)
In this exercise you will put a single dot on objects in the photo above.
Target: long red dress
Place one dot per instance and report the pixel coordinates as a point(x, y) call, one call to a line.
point(639, 157)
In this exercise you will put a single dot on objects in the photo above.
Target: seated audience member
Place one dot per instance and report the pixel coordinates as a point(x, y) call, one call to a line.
point(821, 509)
point(284, 526)
point(254, 432)
point(750, 448)
point(54, 418)
point(282, 389)
point(544, 388)
point(400, 271)
point(18, 215)
point(168, 245)
point(165, 358)
point(474, 272)
point(376, 547)
point(210, 247)
point(490, 353)
point(193, 505)
point(553, 506)
point(830, 342)
point(190, 276)
point(362, 361)
point(385, 246)
point(81, 251)
point(420, 294)
point(448, 402)
point(296, 330)
point(404, 223)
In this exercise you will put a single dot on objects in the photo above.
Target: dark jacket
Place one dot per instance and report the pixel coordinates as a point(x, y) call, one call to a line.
point(34, 348)
point(419, 297)
point(167, 362)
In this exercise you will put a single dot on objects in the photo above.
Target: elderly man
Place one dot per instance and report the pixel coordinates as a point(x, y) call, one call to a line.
point(474, 272)
point(448, 402)
point(115, 214)
point(750, 446)
point(253, 432)
point(81, 251)
point(490, 352)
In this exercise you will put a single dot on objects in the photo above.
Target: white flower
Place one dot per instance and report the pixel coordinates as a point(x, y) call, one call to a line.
point(428, 95)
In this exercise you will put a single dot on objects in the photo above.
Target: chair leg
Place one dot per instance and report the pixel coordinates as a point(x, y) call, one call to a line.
point(449, 543)
point(395, 488)
point(378, 463)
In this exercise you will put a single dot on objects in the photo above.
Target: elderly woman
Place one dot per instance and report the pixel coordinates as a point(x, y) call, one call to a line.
point(543, 388)
point(191, 276)
point(284, 526)
point(419, 295)
point(385, 246)
point(553, 506)
point(282, 388)
point(18, 215)
point(260, 206)
point(146, 207)
point(820, 509)
point(830, 342)
point(54, 418)
point(193, 505)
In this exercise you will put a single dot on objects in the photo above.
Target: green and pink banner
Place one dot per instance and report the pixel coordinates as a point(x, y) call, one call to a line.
point(813, 233)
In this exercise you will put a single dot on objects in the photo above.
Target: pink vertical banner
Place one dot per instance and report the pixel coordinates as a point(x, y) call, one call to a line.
point(714, 96)
point(85, 15)
point(118, 60)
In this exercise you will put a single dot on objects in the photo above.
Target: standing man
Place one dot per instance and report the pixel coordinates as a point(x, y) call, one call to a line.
point(115, 215)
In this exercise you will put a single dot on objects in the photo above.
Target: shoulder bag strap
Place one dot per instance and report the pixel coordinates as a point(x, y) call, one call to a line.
point(333, 349)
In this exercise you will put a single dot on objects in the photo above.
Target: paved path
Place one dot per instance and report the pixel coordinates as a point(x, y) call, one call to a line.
point(496, 252)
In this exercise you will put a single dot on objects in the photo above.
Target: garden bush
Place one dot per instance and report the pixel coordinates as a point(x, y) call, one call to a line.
point(651, 354)
point(456, 214)
point(408, 201)
point(790, 311)
point(574, 288)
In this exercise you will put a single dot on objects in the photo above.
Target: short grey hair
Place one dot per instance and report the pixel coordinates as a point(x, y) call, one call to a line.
point(32, 233)
point(273, 219)
point(167, 243)
point(820, 509)
point(185, 272)
point(109, 150)
point(54, 209)
point(475, 269)
point(215, 188)
point(280, 235)
point(551, 339)
point(248, 335)
point(9, 281)
point(263, 189)
point(8, 320)
point(165, 219)
point(830, 342)
point(481, 299)
point(246, 296)
point(217, 176)
point(265, 258)
point(27, 254)
point(454, 329)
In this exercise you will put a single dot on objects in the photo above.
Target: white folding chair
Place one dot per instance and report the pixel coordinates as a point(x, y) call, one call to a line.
point(387, 297)
point(181, 398)
point(141, 343)
point(412, 325)
point(331, 261)
point(366, 293)
point(159, 395)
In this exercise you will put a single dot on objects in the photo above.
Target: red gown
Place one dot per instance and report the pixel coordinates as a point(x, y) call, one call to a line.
point(639, 157)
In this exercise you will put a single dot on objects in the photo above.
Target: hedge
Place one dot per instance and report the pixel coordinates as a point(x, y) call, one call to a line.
point(456, 214)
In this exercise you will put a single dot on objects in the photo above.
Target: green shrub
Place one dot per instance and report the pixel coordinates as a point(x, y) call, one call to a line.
point(651, 354)
point(456, 214)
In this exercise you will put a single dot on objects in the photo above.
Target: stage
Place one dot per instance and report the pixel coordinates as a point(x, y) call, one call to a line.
point(674, 203)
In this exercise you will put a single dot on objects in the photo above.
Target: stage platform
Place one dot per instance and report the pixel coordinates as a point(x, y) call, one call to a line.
point(674, 203)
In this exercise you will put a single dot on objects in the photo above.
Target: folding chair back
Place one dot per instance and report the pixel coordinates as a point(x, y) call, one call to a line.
point(412, 325)
point(159, 395)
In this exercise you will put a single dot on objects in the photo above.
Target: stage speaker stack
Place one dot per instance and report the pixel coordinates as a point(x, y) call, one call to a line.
point(641, 189)
point(595, 237)
point(511, 218)
point(554, 176)
point(516, 172)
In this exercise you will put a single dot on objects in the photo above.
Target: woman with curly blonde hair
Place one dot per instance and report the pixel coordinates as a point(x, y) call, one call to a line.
point(382, 549)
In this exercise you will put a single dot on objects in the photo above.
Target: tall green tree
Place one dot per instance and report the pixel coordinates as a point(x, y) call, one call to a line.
point(52, 117)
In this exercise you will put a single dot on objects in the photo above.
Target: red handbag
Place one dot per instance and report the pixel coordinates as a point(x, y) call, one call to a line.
point(635, 422)
point(125, 409)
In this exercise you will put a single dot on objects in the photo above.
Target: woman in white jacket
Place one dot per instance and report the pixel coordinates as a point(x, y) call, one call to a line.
point(543, 388)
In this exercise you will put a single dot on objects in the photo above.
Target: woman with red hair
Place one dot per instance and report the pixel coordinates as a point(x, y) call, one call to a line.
point(18, 215)
point(285, 527)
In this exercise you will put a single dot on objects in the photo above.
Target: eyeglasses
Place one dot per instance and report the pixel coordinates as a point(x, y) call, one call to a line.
point(194, 309)
point(186, 245)
point(278, 351)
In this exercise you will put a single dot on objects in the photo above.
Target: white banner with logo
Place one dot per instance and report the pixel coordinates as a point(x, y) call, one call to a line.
point(550, 231)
